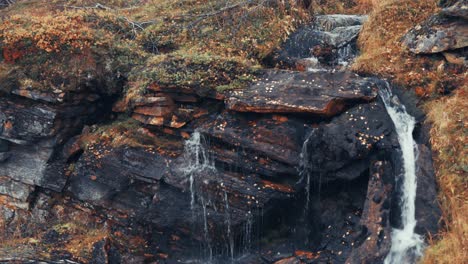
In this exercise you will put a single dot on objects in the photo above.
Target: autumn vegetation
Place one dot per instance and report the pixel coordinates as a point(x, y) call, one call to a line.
point(128, 46)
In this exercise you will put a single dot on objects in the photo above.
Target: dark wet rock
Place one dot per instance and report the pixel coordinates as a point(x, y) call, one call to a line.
point(120, 181)
point(316, 94)
point(267, 146)
point(372, 243)
point(26, 122)
point(4, 156)
point(342, 148)
point(322, 39)
point(313, 43)
point(330, 22)
point(28, 164)
point(340, 207)
point(446, 3)
point(51, 237)
point(3, 145)
point(101, 172)
point(458, 9)
point(99, 255)
point(439, 33)
point(104, 252)
point(33, 133)
point(428, 213)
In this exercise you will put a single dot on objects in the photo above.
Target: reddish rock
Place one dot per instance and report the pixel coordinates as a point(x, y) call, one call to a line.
point(149, 120)
point(157, 111)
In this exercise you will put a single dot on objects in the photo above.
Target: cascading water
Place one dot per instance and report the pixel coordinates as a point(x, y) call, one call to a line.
point(230, 237)
point(196, 159)
point(304, 172)
point(345, 55)
point(407, 246)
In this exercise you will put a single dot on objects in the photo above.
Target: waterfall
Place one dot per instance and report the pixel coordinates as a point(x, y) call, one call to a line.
point(406, 246)
point(345, 55)
point(206, 231)
point(196, 159)
point(230, 237)
point(304, 171)
point(196, 162)
point(248, 233)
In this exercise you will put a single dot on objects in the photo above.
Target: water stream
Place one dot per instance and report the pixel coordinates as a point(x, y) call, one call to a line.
point(196, 160)
point(407, 246)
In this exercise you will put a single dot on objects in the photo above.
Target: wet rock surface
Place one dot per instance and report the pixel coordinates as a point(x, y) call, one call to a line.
point(372, 242)
point(324, 39)
point(316, 94)
point(299, 167)
point(428, 211)
point(342, 149)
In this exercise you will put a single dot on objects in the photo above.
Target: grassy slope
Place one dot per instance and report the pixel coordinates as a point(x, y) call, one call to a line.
point(188, 43)
point(429, 76)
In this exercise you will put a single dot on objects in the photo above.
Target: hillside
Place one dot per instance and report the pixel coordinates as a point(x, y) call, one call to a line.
point(194, 131)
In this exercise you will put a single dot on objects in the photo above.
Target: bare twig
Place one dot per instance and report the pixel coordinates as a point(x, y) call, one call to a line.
point(201, 17)
point(136, 26)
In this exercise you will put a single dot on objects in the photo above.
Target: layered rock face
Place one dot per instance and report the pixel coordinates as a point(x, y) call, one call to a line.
point(299, 167)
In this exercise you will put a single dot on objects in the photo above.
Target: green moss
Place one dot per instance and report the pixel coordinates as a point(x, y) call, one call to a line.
point(194, 71)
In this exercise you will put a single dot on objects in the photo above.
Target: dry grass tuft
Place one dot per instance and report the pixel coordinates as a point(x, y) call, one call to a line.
point(448, 137)
point(343, 6)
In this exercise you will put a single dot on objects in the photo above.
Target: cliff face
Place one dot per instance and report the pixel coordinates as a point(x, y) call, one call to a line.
point(296, 167)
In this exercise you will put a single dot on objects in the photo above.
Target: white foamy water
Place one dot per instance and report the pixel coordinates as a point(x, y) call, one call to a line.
point(407, 246)
point(196, 159)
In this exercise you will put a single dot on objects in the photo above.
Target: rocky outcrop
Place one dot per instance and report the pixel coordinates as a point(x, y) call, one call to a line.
point(331, 22)
point(373, 241)
point(445, 31)
point(314, 94)
point(342, 149)
point(328, 38)
point(299, 167)
point(458, 9)
point(31, 133)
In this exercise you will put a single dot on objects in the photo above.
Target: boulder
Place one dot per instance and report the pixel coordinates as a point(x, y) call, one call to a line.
point(342, 148)
point(15, 189)
point(458, 9)
point(323, 39)
point(438, 34)
point(330, 22)
point(311, 93)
